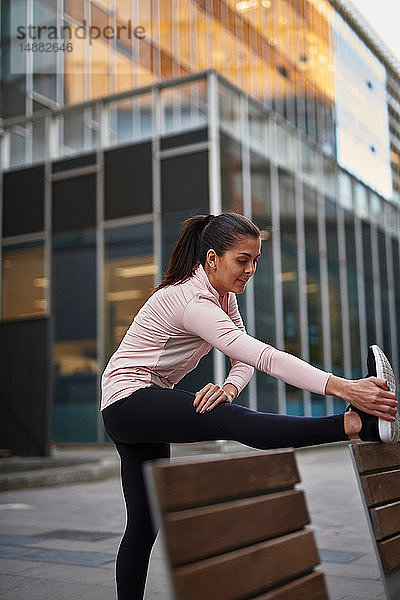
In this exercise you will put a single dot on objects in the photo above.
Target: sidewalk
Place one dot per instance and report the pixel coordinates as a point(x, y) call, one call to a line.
point(60, 542)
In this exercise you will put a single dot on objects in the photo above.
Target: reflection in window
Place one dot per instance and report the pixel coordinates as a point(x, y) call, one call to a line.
point(231, 175)
point(130, 119)
point(396, 285)
point(23, 283)
point(267, 399)
point(289, 279)
point(352, 288)
point(75, 331)
point(368, 283)
point(313, 290)
point(335, 309)
point(183, 107)
point(128, 278)
point(384, 288)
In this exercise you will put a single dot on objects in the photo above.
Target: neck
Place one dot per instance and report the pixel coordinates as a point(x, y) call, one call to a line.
point(209, 273)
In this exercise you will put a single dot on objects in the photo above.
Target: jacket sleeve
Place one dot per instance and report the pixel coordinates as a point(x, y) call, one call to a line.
point(202, 317)
point(240, 372)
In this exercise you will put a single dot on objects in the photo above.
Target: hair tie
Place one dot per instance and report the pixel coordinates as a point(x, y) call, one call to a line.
point(207, 219)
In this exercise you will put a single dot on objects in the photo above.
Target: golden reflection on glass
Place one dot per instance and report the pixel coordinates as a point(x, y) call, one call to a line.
point(129, 281)
point(100, 68)
point(75, 9)
point(280, 51)
point(123, 10)
point(74, 70)
point(24, 283)
point(75, 357)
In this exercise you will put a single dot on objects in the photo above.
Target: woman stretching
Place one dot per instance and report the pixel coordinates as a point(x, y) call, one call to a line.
point(193, 310)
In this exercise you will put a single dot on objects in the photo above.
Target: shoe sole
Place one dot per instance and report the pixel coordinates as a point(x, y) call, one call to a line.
point(389, 431)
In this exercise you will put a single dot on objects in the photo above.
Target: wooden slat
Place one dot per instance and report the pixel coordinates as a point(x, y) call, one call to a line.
point(197, 533)
point(372, 456)
point(310, 587)
point(386, 520)
point(251, 570)
point(381, 487)
point(389, 551)
point(186, 483)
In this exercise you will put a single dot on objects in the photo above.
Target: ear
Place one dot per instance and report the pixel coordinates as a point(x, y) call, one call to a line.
point(211, 258)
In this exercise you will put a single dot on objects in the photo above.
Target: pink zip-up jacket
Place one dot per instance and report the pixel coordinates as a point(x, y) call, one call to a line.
point(177, 326)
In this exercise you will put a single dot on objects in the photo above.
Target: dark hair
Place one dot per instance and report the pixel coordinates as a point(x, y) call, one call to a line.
point(200, 233)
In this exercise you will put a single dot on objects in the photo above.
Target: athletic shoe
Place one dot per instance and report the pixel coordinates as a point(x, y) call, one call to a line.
point(374, 429)
point(379, 366)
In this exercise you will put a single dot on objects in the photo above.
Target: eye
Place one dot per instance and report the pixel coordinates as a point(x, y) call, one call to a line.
point(242, 262)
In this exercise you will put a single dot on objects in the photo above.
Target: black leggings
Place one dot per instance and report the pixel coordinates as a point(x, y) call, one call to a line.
point(146, 422)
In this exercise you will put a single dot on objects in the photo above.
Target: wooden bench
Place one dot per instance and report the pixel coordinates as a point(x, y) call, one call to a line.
point(233, 527)
point(377, 468)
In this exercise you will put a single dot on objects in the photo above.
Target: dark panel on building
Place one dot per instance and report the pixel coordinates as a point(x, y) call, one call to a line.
point(184, 181)
point(128, 181)
point(12, 96)
point(74, 286)
point(74, 163)
point(74, 203)
point(25, 386)
point(23, 201)
point(183, 139)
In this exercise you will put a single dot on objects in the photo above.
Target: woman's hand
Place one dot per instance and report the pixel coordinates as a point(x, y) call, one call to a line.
point(212, 394)
point(370, 394)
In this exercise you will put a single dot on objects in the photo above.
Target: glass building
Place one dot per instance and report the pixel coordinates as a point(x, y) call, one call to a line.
point(144, 113)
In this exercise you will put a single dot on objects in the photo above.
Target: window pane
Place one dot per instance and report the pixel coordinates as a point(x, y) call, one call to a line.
point(184, 183)
point(289, 279)
point(75, 345)
point(267, 398)
point(130, 119)
point(128, 278)
point(384, 308)
point(23, 283)
point(74, 203)
point(313, 289)
point(352, 288)
point(231, 175)
point(368, 283)
point(183, 107)
point(23, 201)
point(78, 131)
point(335, 309)
point(128, 181)
point(396, 284)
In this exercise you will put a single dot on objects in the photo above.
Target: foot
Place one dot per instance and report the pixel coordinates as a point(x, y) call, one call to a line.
point(374, 429)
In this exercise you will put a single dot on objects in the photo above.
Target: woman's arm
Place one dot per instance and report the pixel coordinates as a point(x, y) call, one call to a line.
point(240, 372)
point(203, 318)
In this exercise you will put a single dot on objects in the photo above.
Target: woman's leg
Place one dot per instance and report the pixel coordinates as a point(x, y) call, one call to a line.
point(140, 533)
point(143, 424)
point(162, 415)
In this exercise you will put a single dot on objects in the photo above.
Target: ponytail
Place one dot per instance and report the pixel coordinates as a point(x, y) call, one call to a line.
point(184, 258)
point(200, 233)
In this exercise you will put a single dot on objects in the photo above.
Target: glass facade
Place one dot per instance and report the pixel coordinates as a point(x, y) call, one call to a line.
point(220, 106)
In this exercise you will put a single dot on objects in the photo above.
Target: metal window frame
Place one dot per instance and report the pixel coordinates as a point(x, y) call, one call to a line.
point(301, 266)
point(214, 177)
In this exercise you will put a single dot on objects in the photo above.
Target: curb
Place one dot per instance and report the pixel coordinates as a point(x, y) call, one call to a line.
point(85, 472)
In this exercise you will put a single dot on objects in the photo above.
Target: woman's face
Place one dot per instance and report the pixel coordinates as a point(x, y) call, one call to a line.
point(231, 271)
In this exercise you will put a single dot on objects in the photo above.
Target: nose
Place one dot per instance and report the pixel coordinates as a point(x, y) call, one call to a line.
point(249, 270)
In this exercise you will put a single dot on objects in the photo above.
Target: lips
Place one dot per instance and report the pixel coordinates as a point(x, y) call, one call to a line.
point(243, 280)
